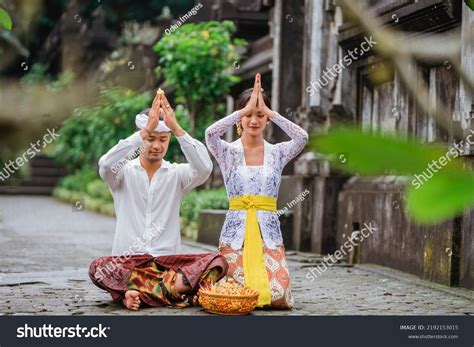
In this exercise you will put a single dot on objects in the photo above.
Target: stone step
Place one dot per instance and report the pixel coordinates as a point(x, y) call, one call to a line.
point(42, 161)
point(26, 190)
point(44, 176)
point(45, 181)
point(47, 172)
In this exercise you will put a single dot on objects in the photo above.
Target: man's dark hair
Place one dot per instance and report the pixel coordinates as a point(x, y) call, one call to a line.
point(146, 111)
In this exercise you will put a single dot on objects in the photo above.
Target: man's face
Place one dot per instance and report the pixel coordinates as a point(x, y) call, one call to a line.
point(156, 146)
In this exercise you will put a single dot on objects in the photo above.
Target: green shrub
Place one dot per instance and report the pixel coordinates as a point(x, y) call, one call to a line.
point(100, 190)
point(198, 200)
point(197, 60)
point(62, 194)
point(79, 181)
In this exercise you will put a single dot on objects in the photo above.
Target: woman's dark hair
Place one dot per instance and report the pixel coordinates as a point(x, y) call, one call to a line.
point(244, 98)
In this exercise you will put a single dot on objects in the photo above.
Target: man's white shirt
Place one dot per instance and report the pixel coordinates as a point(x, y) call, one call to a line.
point(148, 213)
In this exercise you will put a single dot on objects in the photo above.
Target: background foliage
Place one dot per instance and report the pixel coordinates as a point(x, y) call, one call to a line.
point(196, 60)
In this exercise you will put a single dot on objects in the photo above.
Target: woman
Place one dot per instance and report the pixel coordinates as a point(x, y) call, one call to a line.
point(252, 170)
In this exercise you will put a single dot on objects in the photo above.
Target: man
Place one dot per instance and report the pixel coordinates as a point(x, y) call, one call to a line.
point(147, 193)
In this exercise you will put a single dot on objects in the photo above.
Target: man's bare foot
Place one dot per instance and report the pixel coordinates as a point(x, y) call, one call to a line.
point(196, 300)
point(132, 300)
point(179, 285)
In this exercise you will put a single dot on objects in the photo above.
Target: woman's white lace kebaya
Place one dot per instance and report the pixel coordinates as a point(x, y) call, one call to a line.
point(241, 179)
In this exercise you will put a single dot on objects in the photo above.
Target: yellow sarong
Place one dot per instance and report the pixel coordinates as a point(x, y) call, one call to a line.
point(255, 271)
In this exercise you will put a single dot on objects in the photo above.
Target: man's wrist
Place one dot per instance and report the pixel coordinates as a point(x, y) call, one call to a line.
point(178, 131)
point(144, 133)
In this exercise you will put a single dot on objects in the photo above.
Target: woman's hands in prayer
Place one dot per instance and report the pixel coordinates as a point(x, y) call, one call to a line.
point(256, 102)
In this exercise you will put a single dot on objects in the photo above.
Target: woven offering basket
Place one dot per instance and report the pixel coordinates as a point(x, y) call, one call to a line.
point(229, 298)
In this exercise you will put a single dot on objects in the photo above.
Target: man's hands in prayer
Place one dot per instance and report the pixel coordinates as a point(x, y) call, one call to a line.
point(169, 116)
point(153, 119)
point(161, 106)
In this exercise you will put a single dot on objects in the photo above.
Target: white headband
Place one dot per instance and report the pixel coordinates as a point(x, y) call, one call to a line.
point(141, 120)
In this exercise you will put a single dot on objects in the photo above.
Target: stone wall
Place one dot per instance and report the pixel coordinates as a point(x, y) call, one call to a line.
point(440, 253)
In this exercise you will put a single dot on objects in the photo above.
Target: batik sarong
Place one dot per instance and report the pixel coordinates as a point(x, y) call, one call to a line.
point(277, 271)
point(155, 277)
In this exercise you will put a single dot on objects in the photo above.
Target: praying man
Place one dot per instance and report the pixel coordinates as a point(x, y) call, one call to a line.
point(146, 265)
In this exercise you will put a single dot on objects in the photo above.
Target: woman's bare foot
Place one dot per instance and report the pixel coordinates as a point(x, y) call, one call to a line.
point(132, 300)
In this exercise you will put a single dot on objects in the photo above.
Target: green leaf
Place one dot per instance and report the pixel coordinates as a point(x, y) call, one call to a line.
point(5, 20)
point(373, 154)
point(443, 196)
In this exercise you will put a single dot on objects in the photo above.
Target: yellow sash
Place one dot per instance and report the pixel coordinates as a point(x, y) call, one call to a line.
point(255, 271)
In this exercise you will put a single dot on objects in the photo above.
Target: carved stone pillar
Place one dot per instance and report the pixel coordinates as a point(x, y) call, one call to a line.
point(288, 21)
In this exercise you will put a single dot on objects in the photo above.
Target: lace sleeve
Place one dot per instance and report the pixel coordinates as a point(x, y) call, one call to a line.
point(299, 137)
point(215, 144)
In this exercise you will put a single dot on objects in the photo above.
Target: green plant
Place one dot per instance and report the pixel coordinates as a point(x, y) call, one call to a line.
point(99, 189)
point(196, 60)
point(78, 181)
point(198, 200)
point(5, 20)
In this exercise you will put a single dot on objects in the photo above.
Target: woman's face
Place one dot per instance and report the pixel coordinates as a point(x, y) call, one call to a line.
point(254, 124)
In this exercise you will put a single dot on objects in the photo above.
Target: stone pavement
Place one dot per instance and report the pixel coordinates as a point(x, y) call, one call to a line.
point(46, 248)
